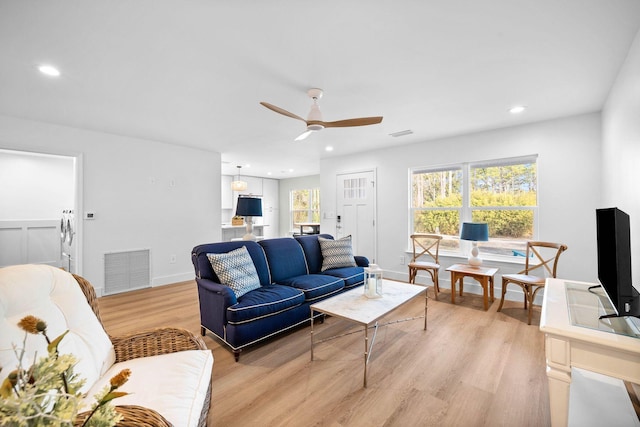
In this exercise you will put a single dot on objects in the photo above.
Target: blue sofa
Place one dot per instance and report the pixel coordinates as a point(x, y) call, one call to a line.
point(289, 270)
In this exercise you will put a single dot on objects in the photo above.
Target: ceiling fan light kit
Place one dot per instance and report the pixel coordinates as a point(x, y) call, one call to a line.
point(314, 120)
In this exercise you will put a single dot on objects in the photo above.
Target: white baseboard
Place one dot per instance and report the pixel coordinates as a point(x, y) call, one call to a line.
point(159, 281)
point(173, 278)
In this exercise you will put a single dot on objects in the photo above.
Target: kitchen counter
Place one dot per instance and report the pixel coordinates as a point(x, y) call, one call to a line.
point(235, 231)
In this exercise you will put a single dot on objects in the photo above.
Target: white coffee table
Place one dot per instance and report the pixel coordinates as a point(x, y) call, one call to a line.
point(355, 307)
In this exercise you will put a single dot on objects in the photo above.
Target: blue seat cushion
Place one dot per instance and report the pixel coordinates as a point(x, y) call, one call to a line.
point(352, 276)
point(315, 286)
point(264, 302)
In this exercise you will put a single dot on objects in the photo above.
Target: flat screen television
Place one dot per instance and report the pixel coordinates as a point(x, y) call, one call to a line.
point(614, 260)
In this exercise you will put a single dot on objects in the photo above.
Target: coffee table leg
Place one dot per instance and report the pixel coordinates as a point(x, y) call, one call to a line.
point(426, 300)
point(312, 335)
point(366, 353)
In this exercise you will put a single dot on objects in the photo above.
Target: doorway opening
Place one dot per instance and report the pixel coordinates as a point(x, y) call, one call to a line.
point(39, 223)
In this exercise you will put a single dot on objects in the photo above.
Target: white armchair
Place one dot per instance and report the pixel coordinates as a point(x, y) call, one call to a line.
point(170, 381)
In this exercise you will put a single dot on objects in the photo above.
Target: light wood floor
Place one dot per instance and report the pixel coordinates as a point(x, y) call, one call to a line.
point(470, 368)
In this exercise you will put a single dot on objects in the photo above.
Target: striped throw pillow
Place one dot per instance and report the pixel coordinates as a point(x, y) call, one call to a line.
point(236, 270)
point(336, 253)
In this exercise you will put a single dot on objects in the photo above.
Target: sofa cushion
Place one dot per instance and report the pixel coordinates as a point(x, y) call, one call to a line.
point(312, 251)
point(263, 302)
point(352, 276)
point(236, 270)
point(336, 253)
point(285, 258)
point(54, 296)
point(175, 384)
point(315, 286)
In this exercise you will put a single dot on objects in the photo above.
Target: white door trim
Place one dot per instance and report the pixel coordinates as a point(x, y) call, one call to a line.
point(78, 197)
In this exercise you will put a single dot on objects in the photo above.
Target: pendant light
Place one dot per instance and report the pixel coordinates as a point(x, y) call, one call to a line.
point(239, 185)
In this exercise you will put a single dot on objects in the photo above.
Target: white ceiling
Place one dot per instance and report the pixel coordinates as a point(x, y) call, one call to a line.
point(193, 72)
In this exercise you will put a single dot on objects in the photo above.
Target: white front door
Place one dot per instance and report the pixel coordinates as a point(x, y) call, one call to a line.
point(355, 216)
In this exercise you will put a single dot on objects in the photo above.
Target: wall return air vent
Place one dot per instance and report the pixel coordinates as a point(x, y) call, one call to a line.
point(126, 271)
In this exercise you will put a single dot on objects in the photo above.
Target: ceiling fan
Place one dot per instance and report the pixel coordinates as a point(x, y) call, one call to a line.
point(314, 119)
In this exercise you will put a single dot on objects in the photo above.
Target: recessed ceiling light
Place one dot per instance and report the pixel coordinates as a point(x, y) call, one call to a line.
point(328, 148)
point(49, 70)
point(517, 109)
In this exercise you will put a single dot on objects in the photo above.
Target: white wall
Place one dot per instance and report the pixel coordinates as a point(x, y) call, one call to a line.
point(35, 186)
point(568, 177)
point(286, 185)
point(145, 194)
point(621, 149)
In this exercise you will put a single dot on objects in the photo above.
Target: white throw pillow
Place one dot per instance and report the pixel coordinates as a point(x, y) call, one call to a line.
point(236, 270)
point(336, 253)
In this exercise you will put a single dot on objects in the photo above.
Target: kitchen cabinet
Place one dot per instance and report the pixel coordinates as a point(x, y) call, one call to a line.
point(266, 188)
point(226, 201)
point(270, 208)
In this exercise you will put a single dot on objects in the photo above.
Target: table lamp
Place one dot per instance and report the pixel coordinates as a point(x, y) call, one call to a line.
point(249, 207)
point(475, 232)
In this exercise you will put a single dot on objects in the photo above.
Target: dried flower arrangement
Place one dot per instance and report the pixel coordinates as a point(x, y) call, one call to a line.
point(48, 392)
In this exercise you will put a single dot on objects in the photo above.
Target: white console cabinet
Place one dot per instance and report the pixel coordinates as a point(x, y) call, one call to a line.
point(587, 352)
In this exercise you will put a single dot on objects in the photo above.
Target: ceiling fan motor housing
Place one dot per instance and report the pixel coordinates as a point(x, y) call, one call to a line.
point(314, 116)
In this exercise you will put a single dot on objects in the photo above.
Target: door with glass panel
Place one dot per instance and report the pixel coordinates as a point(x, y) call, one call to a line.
point(356, 196)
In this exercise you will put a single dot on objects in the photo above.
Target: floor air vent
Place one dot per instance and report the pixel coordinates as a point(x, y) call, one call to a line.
point(125, 271)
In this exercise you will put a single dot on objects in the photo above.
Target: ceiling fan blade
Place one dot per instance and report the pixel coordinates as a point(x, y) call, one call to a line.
point(303, 135)
point(362, 121)
point(281, 111)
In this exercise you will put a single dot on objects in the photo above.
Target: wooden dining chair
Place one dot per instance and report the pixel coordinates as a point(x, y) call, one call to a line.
point(543, 256)
point(428, 246)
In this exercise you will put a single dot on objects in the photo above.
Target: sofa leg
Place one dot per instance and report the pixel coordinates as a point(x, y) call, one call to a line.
point(236, 354)
point(203, 332)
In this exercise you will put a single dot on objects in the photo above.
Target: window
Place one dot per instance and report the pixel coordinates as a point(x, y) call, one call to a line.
point(502, 193)
point(304, 206)
point(436, 203)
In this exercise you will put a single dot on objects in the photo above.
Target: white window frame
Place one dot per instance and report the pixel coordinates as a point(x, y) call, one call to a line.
point(465, 211)
point(310, 211)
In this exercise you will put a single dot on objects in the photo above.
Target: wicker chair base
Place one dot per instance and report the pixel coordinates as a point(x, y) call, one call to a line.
point(134, 416)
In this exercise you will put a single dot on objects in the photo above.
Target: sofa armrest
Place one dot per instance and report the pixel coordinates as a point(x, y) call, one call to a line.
point(153, 342)
point(361, 261)
point(214, 299)
point(225, 292)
